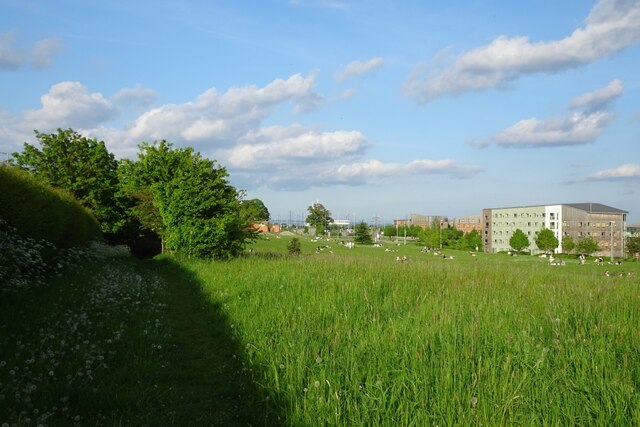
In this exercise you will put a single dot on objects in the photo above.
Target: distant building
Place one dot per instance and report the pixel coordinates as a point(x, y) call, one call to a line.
point(424, 221)
point(468, 223)
point(265, 227)
point(603, 223)
point(632, 230)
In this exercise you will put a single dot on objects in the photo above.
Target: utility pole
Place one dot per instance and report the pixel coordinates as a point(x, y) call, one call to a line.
point(375, 228)
point(611, 243)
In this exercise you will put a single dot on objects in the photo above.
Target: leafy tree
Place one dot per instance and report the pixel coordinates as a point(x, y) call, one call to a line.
point(519, 240)
point(200, 211)
point(546, 241)
point(294, 246)
point(587, 245)
point(362, 234)
point(568, 245)
point(81, 166)
point(471, 240)
point(632, 245)
point(319, 216)
point(255, 210)
point(451, 237)
point(430, 237)
point(389, 230)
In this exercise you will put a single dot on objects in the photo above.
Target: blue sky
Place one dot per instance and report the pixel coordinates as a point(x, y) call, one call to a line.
point(372, 108)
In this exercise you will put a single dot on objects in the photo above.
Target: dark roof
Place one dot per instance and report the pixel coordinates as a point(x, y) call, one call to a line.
point(595, 208)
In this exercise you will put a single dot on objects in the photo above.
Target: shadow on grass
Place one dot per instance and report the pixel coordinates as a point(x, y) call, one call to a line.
point(206, 381)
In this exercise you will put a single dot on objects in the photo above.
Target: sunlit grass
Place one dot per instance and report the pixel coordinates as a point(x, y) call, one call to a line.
point(351, 336)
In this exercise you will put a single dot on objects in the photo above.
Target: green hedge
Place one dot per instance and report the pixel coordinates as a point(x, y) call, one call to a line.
point(38, 211)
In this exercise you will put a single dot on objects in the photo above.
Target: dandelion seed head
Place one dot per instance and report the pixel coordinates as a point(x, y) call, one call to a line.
point(316, 384)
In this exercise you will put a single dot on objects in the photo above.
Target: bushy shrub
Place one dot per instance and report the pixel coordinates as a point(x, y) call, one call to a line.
point(294, 246)
point(38, 211)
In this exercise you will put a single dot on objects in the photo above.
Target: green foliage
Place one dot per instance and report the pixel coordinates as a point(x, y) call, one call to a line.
point(362, 234)
point(519, 240)
point(471, 241)
point(389, 231)
point(319, 216)
point(84, 168)
point(254, 210)
point(294, 246)
point(568, 245)
point(436, 236)
point(39, 211)
point(546, 241)
point(587, 245)
point(187, 200)
point(632, 245)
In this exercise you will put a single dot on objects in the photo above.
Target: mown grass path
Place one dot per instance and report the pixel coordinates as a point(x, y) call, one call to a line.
point(207, 383)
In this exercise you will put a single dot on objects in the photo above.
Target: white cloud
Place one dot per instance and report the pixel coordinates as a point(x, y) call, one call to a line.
point(579, 127)
point(40, 56)
point(221, 118)
point(279, 146)
point(65, 105)
point(137, 95)
point(69, 104)
point(44, 51)
point(356, 172)
point(611, 26)
point(599, 98)
point(622, 172)
point(576, 128)
point(358, 67)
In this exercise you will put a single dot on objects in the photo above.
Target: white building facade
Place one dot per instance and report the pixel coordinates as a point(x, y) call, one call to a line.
point(578, 220)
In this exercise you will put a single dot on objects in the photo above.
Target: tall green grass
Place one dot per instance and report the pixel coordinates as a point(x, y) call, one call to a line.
point(353, 337)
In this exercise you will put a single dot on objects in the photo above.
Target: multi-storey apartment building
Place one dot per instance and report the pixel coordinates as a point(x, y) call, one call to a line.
point(603, 223)
point(424, 221)
point(468, 223)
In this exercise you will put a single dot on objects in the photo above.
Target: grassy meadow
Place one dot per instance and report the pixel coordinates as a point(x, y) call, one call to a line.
point(335, 336)
point(354, 337)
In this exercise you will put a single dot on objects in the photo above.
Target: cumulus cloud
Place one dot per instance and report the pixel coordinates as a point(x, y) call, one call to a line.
point(41, 54)
point(610, 26)
point(137, 96)
point(221, 118)
point(358, 67)
point(277, 146)
point(578, 127)
point(599, 98)
point(69, 104)
point(629, 171)
point(357, 172)
point(65, 105)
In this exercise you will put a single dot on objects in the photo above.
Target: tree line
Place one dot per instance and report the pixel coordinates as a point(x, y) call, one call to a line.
point(170, 198)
